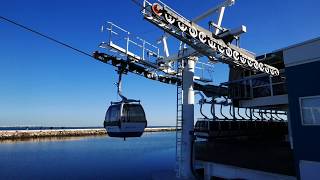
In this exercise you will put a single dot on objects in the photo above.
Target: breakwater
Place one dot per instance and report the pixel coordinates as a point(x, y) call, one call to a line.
point(26, 134)
point(159, 129)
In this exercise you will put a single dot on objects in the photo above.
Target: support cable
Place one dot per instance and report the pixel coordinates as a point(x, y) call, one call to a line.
point(52, 39)
point(45, 36)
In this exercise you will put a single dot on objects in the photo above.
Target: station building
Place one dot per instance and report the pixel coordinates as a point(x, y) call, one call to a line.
point(302, 65)
point(265, 145)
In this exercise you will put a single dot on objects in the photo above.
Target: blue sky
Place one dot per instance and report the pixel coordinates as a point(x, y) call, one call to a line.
point(45, 84)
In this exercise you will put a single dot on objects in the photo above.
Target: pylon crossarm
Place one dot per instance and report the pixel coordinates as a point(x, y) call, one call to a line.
point(215, 47)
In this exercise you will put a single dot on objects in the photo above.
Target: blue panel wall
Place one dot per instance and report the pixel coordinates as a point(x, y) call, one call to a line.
point(303, 80)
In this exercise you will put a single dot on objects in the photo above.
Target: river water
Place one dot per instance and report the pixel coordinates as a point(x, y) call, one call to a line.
point(88, 157)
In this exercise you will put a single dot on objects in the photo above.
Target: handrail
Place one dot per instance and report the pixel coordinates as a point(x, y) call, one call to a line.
point(250, 78)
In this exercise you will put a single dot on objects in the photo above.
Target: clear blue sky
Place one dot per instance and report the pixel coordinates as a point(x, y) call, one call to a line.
point(45, 84)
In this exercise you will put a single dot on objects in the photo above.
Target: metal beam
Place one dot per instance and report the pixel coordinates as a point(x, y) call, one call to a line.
point(213, 10)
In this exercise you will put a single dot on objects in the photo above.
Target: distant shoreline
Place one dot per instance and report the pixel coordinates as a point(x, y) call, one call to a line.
point(7, 128)
point(45, 133)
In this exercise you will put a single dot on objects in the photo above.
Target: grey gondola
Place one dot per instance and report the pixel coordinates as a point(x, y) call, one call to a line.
point(125, 119)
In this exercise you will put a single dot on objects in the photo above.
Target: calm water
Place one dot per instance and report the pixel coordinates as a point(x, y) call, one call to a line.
point(88, 158)
point(56, 127)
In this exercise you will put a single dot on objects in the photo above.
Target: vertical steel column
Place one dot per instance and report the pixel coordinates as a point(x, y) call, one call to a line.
point(127, 45)
point(270, 86)
point(220, 17)
point(289, 129)
point(188, 116)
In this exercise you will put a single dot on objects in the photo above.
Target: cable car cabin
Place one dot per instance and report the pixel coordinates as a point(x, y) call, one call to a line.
point(125, 119)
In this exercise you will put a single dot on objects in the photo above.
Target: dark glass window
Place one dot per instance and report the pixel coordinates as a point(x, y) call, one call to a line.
point(310, 110)
point(135, 113)
point(113, 113)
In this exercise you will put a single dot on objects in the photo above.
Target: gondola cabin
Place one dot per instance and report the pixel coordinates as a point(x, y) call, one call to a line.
point(125, 119)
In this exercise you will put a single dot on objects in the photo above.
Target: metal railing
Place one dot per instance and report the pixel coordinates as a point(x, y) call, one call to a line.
point(123, 43)
point(261, 85)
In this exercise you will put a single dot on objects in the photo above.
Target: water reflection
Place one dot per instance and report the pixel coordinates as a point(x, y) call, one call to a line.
point(99, 157)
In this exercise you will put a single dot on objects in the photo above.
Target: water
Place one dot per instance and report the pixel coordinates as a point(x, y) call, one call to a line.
point(88, 158)
point(15, 128)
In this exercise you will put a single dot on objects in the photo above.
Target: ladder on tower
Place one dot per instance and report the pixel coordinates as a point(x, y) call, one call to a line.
point(179, 117)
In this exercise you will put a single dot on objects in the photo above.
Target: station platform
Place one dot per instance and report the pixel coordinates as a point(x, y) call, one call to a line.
point(261, 155)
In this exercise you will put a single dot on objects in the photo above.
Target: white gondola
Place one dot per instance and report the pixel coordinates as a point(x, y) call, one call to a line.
point(125, 118)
